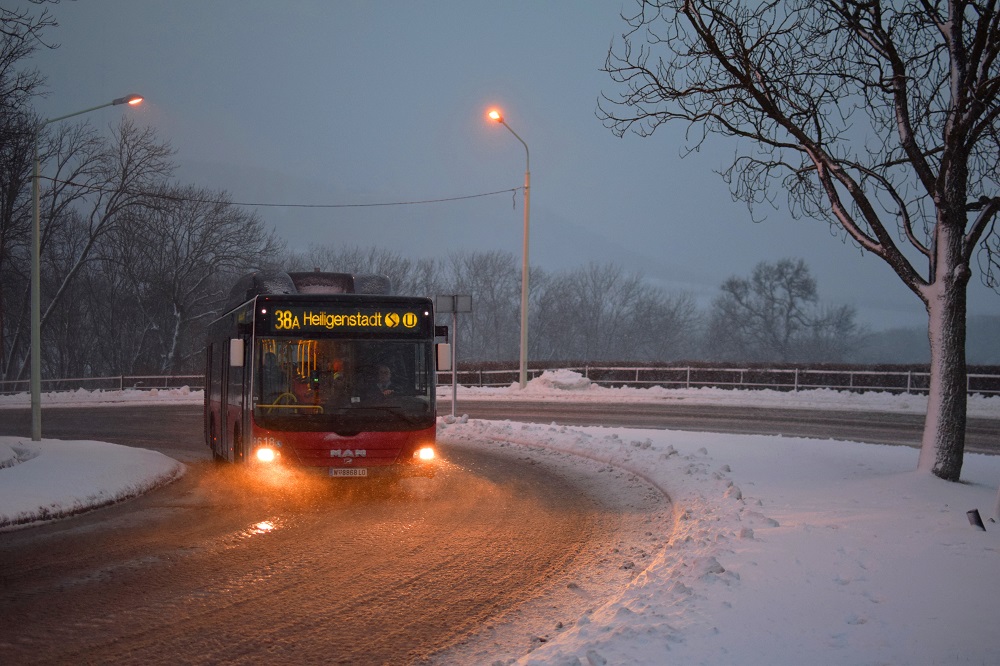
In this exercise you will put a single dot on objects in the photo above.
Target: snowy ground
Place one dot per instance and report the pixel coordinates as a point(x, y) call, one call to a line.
point(779, 550)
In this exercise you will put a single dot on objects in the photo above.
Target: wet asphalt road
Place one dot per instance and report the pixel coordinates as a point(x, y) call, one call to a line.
point(230, 566)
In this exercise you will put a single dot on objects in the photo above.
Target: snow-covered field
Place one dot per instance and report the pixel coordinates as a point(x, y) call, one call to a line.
point(779, 550)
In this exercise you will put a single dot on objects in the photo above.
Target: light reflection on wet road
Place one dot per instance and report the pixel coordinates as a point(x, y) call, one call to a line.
point(237, 567)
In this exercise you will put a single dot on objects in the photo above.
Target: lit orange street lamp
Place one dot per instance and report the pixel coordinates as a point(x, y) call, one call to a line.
point(36, 271)
point(495, 115)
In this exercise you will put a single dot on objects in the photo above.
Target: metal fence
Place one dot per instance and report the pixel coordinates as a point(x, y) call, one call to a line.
point(779, 379)
point(119, 383)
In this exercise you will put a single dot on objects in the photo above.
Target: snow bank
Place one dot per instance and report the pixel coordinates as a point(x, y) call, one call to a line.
point(571, 386)
point(54, 478)
point(183, 395)
point(784, 551)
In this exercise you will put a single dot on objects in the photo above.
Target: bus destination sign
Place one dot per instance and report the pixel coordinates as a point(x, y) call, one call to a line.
point(306, 319)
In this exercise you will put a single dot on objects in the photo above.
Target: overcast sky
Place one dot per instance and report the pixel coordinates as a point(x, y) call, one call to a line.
point(334, 102)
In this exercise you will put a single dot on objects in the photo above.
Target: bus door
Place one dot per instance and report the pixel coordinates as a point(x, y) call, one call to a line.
point(235, 419)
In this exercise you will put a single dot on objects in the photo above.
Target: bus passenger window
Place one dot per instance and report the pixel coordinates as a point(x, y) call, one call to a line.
point(273, 380)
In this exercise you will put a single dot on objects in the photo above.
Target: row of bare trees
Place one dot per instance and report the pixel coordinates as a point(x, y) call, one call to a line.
point(132, 264)
point(601, 312)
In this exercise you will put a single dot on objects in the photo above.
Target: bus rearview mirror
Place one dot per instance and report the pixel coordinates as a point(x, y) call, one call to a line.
point(236, 353)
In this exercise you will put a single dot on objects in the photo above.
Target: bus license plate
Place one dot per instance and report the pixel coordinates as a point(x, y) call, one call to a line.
point(348, 471)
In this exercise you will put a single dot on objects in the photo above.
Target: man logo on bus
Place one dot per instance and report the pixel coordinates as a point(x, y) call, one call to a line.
point(409, 320)
point(392, 320)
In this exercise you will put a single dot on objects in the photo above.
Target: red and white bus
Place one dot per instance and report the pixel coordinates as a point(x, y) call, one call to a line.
point(303, 370)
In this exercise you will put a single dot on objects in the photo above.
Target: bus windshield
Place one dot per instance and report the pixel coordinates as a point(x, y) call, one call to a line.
point(342, 385)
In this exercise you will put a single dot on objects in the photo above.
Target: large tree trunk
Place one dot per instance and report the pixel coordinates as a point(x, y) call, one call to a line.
point(943, 442)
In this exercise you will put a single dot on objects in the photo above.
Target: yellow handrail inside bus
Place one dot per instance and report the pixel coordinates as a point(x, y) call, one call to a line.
point(306, 356)
point(316, 408)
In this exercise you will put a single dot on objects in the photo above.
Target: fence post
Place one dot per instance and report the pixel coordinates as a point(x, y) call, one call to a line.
point(909, 381)
point(687, 382)
point(796, 390)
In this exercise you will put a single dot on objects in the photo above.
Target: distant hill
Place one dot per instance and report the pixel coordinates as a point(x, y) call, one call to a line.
point(909, 345)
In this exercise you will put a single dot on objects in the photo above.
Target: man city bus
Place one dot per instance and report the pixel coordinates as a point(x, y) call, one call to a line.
point(298, 373)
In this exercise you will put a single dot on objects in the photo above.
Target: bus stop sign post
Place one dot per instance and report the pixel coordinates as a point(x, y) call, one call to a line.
point(453, 303)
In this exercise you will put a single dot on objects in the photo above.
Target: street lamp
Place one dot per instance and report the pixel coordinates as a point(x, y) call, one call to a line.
point(36, 272)
point(523, 376)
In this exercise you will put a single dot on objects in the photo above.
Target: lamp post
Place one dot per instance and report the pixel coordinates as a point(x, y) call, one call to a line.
point(36, 272)
point(523, 369)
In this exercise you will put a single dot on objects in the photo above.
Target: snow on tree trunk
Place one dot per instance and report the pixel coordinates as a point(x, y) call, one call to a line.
point(943, 441)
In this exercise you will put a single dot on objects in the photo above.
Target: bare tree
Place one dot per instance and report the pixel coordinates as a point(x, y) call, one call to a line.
point(16, 149)
point(21, 33)
point(774, 315)
point(599, 312)
point(179, 252)
point(93, 185)
point(896, 133)
point(408, 276)
point(493, 279)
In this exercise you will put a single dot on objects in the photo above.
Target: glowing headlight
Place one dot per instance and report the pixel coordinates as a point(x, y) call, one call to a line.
point(424, 453)
point(266, 455)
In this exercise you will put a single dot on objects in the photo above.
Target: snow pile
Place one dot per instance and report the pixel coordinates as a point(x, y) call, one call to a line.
point(555, 380)
point(54, 478)
point(571, 386)
point(784, 551)
point(9, 457)
point(181, 396)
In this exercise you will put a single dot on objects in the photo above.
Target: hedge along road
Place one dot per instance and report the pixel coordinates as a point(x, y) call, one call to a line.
point(228, 566)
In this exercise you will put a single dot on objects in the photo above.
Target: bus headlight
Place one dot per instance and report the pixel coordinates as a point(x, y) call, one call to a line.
point(424, 453)
point(266, 454)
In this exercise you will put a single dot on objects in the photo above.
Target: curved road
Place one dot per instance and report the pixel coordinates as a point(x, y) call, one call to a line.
point(227, 566)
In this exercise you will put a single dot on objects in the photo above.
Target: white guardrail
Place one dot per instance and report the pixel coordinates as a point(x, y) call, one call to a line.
point(780, 379)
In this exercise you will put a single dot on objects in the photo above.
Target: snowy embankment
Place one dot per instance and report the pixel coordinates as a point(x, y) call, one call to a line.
point(779, 550)
point(55, 478)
